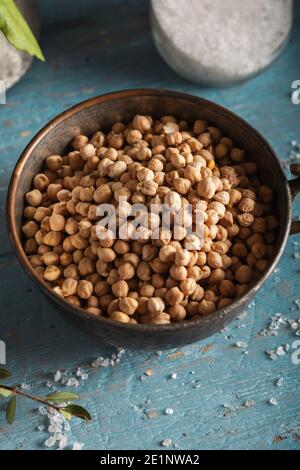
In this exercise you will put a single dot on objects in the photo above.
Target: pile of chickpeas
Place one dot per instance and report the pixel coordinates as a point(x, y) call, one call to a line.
point(150, 280)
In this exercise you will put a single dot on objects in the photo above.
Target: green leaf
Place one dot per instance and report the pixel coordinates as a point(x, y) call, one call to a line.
point(11, 410)
point(4, 392)
point(67, 415)
point(79, 411)
point(4, 374)
point(61, 397)
point(16, 30)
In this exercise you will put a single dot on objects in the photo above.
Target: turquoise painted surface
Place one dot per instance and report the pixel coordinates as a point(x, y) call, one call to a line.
point(93, 47)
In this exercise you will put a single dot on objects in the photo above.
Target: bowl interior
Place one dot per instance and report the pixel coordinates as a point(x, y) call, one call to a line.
point(101, 112)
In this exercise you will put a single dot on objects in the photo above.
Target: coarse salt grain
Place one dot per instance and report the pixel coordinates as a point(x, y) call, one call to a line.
point(166, 442)
point(273, 402)
point(50, 441)
point(249, 403)
point(77, 445)
point(279, 382)
point(169, 411)
point(57, 376)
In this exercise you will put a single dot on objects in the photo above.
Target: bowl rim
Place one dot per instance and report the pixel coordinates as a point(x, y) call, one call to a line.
point(15, 238)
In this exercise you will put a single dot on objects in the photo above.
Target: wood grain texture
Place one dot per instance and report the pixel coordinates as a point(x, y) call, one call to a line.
point(93, 47)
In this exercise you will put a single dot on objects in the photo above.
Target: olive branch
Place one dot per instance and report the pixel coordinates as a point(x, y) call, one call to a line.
point(59, 401)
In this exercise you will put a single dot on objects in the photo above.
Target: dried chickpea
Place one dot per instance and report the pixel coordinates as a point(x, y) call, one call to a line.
point(69, 287)
point(128, 305)
point(174, 296)
point(120, 288)
point(52, 273)
point(34, 197)
point(177, 312)
point(155, 305)
point(152, 275)
point(84, 289)
point(119, 317)
point(206, 307)
point(244, 274)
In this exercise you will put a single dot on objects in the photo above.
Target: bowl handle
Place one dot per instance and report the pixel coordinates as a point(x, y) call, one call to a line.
point(294, 185)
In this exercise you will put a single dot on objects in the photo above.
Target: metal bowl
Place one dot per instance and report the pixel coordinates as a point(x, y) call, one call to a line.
point(101, 112)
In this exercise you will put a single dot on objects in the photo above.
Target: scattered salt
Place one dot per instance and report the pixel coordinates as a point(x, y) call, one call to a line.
point(249, 403)
point(77, 445)
point(273, 402)
point(173, 375)
point(169, 411)
point(241, 344)
point(25, 386)
point(57, 376)
point(42, 410)
point(63, 442)
point(50, 441)
point(279, 382)
point(297, 302)
point(166, 442)
point(72, 382)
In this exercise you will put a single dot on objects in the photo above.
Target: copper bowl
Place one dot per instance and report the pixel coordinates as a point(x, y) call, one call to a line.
point(101, 112)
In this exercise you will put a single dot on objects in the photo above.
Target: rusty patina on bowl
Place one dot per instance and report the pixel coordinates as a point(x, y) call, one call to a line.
point(102, 112)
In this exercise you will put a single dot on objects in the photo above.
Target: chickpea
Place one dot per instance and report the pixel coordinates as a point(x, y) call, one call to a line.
point(239, 249)
point(206, 307)
point(188, 286)
point(106, 254)
point(128, 305)
point(214, 260)
point(126, 271)
point(84, 289)
point(258, 250)
point(155, 305)
point(177, 312)
point(119, 317)
point(246, 219)
point(52, 238)
point(174, 296)
point(182, 257)
point(167, 253)
point(182, 185)
point(30, 228)
point(102, 194)
point(179, 273)
point(206, 188)
point(57, 222)
point(41, 182)
point(34, 197)
point(52, 273)
point(265, 194)
point(69, 287)
point(147, 290)
point(244, 274)
point(258, 225)
point(141, 123)
point(120, 288)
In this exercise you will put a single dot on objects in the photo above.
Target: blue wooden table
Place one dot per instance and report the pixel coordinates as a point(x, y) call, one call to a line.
point(93, 47)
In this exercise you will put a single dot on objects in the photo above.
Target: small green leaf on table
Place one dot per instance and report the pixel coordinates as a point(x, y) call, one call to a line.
point(4, 374)
point(61, 397)
point(11, 410)
point(78, 411)
point(4, 392)
point(16, 30)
